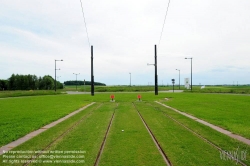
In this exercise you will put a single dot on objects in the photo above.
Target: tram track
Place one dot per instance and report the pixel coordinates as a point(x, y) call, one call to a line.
point(105, 137)
point(200, 136)
point(60, 136)
point(165, 158)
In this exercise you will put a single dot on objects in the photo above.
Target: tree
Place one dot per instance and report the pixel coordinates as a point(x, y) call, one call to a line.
point(47, 83)
point(11, 81)
point(3, 84)
point(29, 82)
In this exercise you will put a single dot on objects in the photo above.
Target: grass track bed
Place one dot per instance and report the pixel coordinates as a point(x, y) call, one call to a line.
point(134, 146)
point(20, 116)
point(88, 135)
point(230, 112)
point(224, 142)
point(181, 146)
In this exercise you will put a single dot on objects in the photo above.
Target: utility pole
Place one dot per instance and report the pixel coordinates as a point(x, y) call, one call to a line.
point(92, 73)
point(156, 76)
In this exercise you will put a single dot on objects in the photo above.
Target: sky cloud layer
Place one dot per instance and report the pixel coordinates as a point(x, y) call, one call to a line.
point(214, 33)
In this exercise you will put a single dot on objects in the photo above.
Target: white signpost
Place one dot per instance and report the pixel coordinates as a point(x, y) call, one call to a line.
point(186, 83)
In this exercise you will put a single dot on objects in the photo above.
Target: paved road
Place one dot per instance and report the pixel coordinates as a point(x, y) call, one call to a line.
point(77, 92)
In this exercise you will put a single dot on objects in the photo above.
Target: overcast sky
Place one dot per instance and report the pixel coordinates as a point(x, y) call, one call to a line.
point(215, 33)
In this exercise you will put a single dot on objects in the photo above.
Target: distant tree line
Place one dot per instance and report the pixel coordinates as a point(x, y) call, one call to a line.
point(29, 82)
point(82, 83)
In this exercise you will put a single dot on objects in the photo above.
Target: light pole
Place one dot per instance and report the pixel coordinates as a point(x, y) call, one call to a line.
point(76, 79)
point(130, 79)
point(191, 71)
point(179, 79)
point(55, 72)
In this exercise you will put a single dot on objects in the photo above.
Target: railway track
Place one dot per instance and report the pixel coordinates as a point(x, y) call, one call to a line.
point(199, 136)
point(105, 137)
point(165, 158)
point(60, 136)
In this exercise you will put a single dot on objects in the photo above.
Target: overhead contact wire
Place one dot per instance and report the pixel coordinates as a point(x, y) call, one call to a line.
point(85, 24)
point(164, 23)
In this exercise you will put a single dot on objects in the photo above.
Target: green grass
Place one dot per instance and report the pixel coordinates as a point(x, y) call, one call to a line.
point(181, 146)
point(230, 112)
point(5, 94)
point(145, 88)
point(88, 135)
point(20, 116)
point(221, 89)
point(219, 139)
point(118, 88)
point(44, 139)
point(134, 146)
point(124, 88)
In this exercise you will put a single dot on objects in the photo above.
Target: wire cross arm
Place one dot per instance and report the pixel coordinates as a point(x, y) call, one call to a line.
point(150, 64)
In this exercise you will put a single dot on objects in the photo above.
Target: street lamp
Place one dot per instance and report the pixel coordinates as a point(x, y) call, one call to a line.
point(179, 79)
point(191, 71)
point(55, 72)
point(130, 79)
point(76, 79)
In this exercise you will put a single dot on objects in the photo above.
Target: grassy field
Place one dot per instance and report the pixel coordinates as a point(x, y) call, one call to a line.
point(116, 88)
point(222, 89)
point(137, 88)
point(85, 131)
point(19, 116)
point(82, 88)
point(4, 94)
point(230, 112)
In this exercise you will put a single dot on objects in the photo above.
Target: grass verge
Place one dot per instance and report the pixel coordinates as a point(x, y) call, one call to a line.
point(230, 112)
point(20, 116)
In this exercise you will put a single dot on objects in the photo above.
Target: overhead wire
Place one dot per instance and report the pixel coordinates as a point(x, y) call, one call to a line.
point(164, 23)
point(85, 23)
